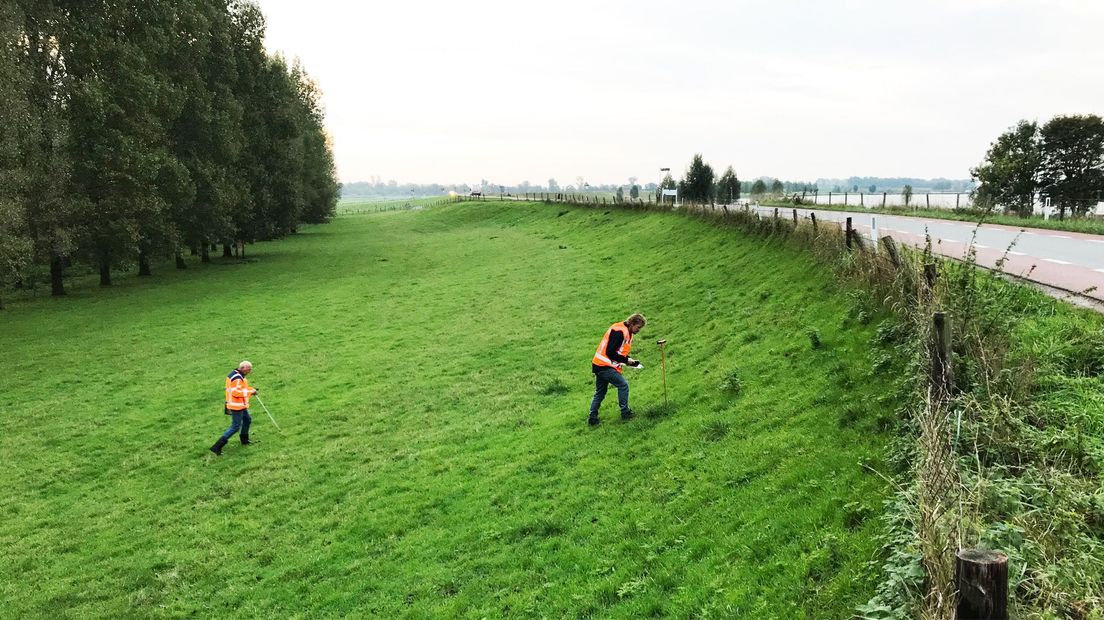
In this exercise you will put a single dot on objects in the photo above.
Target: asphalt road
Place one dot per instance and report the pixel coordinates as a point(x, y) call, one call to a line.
point(1068, 261)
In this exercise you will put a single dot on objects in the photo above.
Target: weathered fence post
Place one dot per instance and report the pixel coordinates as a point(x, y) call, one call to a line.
point(942, 374)
point(930, 274)
point(795, 217)
point(849, 233)
point(829, 199)
point(862, 202)
point(981, 578)
point(776, 213)
point(927, 200)
point(812, 216)
point(891, 250)
point(883, 199)
point(957, 196)
point(845, 199)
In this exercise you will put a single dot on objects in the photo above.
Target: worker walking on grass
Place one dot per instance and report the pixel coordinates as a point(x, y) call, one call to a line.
point(237, 406)
point(612, 353)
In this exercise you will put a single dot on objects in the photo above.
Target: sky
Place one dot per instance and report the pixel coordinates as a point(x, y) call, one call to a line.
point(448, 92)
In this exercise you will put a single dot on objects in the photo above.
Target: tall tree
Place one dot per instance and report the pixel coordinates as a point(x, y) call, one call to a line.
point(668, 182)
point(118, 138)
point(634, 191)
point(15, 242)
point(320, 187)
point(48, 203)
point(1073, 161)
point(777, 188)
point(728, 187)
point(697, 185)
point(1009, 174)
point(758, 188)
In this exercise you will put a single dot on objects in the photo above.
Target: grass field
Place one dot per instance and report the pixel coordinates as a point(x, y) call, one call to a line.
point(431, 370)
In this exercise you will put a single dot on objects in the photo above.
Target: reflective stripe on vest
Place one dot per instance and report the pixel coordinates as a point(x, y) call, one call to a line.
point(237, 392)
point(600, 358)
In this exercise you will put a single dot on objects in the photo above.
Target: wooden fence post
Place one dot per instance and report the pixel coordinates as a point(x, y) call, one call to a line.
point(849, 233)
point(957, 196)
point(891, 250)
point(942, 373)
point(812, 216)
point(927, 200)
point(981, 579)
point(883, 199)
point(776, 213)
point(795, 217)
point(829, 199)
point(861, 200)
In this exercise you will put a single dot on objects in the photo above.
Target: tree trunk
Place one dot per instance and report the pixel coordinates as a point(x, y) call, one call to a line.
point(57, 285)
point(143, 263)
point(226, 253)
point(204, 256)
point(180, 264)
point(105, 271)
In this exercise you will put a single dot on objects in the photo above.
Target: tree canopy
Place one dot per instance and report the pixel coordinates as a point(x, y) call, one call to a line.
point(134, 130)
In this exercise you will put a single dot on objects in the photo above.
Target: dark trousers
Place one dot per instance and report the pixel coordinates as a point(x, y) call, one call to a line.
point(603, 377)
point(239, 421)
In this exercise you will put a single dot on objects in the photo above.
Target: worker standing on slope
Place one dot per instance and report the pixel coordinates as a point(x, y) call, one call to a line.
point(612, 353)
point(237, 406)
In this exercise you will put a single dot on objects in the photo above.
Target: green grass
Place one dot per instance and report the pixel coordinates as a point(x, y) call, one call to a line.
point(431, 371)
point(1090, 225)
point(359, 206)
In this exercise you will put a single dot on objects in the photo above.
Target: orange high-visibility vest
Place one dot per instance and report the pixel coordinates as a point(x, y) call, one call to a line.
point(600, 358)
point(237, 391)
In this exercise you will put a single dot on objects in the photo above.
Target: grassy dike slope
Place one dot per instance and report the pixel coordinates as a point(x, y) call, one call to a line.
point(432, 371)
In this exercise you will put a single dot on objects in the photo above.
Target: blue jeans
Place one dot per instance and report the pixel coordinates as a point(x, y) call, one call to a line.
point(239, 421)
point(602, 380)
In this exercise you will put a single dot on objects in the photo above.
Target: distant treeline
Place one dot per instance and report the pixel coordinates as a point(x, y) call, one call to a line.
point(392, 189)
point(138, 129)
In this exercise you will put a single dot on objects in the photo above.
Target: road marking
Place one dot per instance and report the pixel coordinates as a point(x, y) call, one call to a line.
point(1059, 236)
point(1100, 270)
point(951, 240)
point(1056, 261)
point(978, 245)
point(1016, 253)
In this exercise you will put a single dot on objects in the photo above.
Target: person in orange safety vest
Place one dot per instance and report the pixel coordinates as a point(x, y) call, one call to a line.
point(612, 354)
point(238, 392)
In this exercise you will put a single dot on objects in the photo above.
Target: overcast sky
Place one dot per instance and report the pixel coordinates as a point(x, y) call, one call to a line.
point(517, 91)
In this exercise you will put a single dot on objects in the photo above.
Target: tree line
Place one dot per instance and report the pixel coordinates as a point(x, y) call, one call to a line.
point(1062, 160)
point(140, 129)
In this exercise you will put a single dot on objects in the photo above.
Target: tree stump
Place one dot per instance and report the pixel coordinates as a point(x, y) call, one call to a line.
point(981, 578)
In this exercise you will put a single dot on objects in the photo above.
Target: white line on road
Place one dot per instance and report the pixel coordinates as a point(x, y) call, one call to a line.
point(951, 240)
point(1100, 270)
point(1059, 236)
point(978, 245)
point(1056, 261)
point(1016, 253)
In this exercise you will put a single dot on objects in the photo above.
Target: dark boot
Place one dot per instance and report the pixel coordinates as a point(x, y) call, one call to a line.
point(245, 440)
point(593, 420)
point(217, 448)
point(628, 414)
